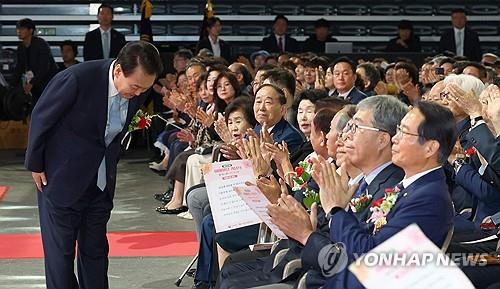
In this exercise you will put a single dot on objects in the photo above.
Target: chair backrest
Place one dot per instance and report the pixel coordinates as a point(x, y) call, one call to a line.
point(447, 241)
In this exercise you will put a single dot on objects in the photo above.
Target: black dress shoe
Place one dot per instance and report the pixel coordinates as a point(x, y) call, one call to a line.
point(165, 197)
point(163, 210)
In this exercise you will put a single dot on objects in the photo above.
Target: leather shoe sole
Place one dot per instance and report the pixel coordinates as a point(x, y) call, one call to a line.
point(163, 210)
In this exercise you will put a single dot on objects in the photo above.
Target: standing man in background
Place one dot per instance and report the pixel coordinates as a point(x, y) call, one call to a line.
point(73, 150)
point(460, 39)
point(103, 42)
point(35, 63)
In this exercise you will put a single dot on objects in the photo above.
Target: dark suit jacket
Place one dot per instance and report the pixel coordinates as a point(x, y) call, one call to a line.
point(270, 44)
point(432, 212)
point(92, 47)
point(389, 177)
point(489, 146)
point(412, 43)
point(66, 137)
point(487, 195)
point(225, 49)
point(472, 47)
point(38, 59)
point(355, 96)
point(312, 44)
point(284, 131)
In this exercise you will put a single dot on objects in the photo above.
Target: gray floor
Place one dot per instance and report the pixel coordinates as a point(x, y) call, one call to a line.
point(133, 211)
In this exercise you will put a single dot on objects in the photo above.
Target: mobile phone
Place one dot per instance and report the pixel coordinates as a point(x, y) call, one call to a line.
point(439, 70)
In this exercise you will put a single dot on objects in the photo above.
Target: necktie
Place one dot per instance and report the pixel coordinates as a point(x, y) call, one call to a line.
point(460, 44)
point(113, 127)
point(361, 189)
point(280, 44)
point(105, 44)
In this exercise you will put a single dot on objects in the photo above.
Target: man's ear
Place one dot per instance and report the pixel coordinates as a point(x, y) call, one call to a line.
point(431, 148)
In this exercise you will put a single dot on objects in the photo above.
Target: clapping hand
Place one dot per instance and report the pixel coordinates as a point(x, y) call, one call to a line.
point(222, 129)
point(204, 118)
point(319, 83)
point(269, 187)
point(185, 136)
point(291, 217)
point(334, 190)
point(251, 149)
point(467, 100)
point(230, 151)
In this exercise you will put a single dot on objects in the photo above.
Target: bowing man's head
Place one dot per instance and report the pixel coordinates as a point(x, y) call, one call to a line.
point(137, 66)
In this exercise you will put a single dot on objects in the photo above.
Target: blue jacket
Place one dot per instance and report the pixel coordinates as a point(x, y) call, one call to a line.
point(425, 202)
point(355, 96)
point(66, 136)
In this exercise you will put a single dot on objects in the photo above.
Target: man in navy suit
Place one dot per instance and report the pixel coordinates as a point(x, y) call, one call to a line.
point(423, 141)
point(460, 39)
point(73, 150)
point(279, 41)
point(103, 42)
point(344, 78)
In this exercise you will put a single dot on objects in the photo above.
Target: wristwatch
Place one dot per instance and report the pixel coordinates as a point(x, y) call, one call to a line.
point(475, 120)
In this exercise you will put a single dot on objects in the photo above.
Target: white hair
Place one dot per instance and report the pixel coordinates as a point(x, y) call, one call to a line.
point(466, 82)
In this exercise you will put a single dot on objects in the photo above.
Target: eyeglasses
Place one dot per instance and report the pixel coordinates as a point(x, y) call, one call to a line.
point(400, 132)
point(353, 127)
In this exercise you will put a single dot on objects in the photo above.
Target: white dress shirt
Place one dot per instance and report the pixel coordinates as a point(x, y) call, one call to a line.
point(408, 181)
point(215, 46)
point(459, 41)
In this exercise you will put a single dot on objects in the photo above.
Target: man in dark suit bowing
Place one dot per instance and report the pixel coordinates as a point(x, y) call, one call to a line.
point(73, 150)
point(460, 39)
point(103, 42)
point(279, 41)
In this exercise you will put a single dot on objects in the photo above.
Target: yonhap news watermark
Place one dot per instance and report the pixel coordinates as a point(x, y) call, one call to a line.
point(420, 259)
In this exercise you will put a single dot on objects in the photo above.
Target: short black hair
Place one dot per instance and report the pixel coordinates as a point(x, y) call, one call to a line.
point(410, 68)
point(405, 24)
point(184, 53)
point(323, 118)
point(479, 66)
point(140, 53)
point(105, 5)
point(212, 21)
point(372, 73)
point(26, 23)
point(439, 125)
point(458, 10)
point(446, 60)
point(343, 59)
point(281, 78)
point(281, 93)
point(243, 104)
point(70, 43)
point(280, 16)
point(243, 70)
point(322, 22)
point(313, 95)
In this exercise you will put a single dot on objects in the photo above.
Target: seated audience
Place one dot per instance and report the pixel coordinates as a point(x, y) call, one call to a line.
point(316, 42)
point(69, 51)
point(406, 41)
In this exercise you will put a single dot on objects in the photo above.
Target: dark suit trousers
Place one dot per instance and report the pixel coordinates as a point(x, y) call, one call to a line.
point(61, 227)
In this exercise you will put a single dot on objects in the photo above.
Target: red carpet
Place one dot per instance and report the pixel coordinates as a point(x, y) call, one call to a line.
point(3, 191)
point(121, 244)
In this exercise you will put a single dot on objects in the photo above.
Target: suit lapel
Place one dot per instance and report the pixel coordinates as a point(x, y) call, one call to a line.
point(102, 102)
